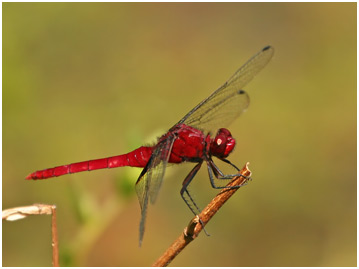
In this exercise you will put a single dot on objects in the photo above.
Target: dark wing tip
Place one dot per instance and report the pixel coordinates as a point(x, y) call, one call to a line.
point(266, 48)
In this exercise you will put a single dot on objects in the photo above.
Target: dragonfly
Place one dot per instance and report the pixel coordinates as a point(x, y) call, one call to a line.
point(191, 139)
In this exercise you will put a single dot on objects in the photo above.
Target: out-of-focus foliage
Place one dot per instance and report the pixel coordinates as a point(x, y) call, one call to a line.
point(90, 80)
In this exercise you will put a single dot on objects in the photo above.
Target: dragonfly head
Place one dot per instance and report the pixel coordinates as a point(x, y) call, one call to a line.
point(223, 144)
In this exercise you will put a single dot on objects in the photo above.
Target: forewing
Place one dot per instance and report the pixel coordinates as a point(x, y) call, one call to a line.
point(150, 179)
point(229, 101)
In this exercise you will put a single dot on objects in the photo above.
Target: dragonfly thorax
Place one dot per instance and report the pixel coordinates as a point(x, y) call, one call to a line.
point(223, 144)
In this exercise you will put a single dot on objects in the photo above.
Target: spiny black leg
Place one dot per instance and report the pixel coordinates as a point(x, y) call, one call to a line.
point(211, 179)
point(213, 169)
point(191, 203)
point(219, 174)
point(227, 161)
point(185, 184)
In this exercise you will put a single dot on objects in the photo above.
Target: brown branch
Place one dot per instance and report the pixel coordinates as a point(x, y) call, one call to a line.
point(55, 240)
point(21, 212)
point(195, 227)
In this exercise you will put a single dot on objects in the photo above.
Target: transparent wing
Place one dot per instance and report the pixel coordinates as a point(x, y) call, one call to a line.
point(151, 177)
point(229, 101)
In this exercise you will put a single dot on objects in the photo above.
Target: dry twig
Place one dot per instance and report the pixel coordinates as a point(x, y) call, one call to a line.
point(195, 227)
point(21, 212)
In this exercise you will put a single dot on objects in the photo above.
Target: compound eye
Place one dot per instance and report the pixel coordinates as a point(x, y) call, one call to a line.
point(225, 132)
point(223, 143)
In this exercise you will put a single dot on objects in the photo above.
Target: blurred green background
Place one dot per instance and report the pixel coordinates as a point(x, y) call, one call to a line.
point(90, 80)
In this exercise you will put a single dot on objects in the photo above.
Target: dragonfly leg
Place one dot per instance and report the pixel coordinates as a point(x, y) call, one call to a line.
point(227, 161)
point(213, 170)
point(191, 203)
point(220, 174)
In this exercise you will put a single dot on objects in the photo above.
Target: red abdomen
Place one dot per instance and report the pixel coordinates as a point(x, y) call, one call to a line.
point(137, 158)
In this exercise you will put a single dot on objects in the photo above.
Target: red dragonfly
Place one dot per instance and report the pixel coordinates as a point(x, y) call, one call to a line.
point(189, 140)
